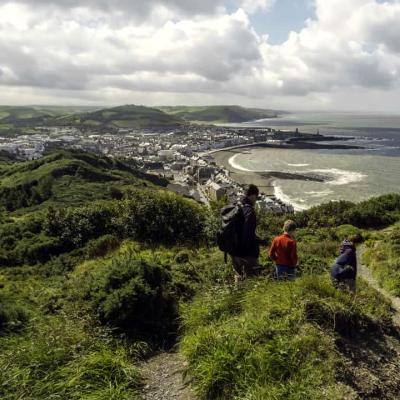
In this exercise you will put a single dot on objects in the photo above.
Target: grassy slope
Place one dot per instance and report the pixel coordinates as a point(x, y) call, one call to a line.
point(129, 116)
point(73, 177)
point(221, 114)
point(276, 340)
point(24, 119)
point(300, 340)
point(383, 257)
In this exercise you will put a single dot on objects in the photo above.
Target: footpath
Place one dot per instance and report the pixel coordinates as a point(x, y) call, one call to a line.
point(164, 378)
point(365, 273)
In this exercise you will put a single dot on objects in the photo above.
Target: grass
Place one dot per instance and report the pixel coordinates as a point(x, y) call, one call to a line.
point(383, 258)
point(61, 352)
point(274, 340)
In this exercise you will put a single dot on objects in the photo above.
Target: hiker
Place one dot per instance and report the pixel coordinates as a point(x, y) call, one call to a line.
point(284, 252)
point(238, 236)
point(245, 261)
point(344, 271)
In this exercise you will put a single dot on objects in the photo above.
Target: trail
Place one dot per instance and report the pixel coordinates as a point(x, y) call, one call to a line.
point(164, 378)
point(365, 273)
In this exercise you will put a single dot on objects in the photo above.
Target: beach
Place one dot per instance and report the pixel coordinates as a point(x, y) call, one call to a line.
point(264, 180)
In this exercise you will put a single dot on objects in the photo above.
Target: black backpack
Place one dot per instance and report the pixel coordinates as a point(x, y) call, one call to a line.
point(228, 237)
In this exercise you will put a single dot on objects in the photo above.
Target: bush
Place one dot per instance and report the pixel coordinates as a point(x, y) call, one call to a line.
point(102, 246)
point(135, 297)
point(161, 217)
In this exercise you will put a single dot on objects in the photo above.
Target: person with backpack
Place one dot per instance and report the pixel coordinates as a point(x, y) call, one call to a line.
point(344, 271)
point(238, 236)
point(283, 251)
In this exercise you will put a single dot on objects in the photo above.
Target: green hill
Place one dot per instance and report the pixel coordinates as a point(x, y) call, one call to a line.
point(67, 178)
point(219, 114)
point(23, 119)
point(90, 288)
point(129, 116)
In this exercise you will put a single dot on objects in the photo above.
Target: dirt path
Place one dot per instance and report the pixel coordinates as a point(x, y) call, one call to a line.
point(365, 273)
point(164, 378)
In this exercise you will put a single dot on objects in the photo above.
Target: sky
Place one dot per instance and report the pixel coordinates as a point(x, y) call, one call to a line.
point(281, 54)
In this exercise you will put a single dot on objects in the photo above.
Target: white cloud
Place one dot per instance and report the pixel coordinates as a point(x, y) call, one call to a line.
point(176, 50)
point(252, 6)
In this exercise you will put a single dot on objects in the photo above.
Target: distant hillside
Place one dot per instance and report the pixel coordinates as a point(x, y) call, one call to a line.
point(129, 116)
point(67, 178)
point(28, 117)
point(219, 114)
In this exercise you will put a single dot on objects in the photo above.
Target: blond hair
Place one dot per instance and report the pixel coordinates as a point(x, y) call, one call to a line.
point(289, 226)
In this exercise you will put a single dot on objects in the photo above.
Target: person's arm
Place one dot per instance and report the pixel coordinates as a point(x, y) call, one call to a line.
point(294, 257)
point(272, 254)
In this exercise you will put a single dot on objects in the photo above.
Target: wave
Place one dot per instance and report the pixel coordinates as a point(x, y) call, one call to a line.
point(341, 177)
point(319, 194)
point(288, 200)
point(234, 164)
point(299, 165)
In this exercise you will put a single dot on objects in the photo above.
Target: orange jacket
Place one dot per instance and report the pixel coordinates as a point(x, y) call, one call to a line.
point(284, 251)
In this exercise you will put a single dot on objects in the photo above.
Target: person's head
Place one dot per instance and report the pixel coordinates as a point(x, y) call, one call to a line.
point(289, 227)
point(356, 239)
point(252, 193)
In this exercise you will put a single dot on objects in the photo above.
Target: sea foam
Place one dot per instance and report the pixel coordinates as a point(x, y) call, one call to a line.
point(234, 164)
point(341, 177)
point(278, 192)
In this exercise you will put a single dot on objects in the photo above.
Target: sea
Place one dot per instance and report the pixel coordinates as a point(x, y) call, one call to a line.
point(354, 175)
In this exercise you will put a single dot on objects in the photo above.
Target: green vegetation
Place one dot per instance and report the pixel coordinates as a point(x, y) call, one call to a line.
point(219, 114)
point(21, 120)
point(383, 258)
point(101, 272)
point(129, 116)
point(275, 340)
point(67, 177)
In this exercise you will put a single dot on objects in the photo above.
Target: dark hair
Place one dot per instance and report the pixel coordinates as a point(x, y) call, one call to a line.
point(357, 238)
point(252, 190)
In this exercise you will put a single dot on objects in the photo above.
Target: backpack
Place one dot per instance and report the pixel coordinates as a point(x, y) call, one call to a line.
point(228, 237)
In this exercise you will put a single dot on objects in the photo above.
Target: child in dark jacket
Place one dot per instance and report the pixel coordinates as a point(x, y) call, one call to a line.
point(344, 271)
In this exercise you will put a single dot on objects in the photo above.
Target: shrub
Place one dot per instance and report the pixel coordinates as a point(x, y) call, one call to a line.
point(161, 217)
point(135, 297)
point(102, 246)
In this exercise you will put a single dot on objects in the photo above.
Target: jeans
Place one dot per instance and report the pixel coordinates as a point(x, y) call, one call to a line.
point(284, 272)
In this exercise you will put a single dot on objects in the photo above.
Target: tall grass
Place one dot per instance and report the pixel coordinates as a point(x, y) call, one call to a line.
point(274, 340)
point(383, 258)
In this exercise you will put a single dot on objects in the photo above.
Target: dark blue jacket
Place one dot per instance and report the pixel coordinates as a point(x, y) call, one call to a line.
point(249, 241)
point(345, 266)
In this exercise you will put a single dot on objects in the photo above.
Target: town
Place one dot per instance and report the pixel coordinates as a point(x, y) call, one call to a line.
point(183, 155)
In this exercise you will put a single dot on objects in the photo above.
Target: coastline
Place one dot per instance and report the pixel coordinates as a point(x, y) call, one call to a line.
point(264, 180)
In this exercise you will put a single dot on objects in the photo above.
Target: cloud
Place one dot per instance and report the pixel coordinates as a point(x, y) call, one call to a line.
point(177, 48)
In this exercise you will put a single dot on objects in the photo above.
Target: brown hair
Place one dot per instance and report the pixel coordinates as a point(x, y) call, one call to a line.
point(289, 226)
point(356, 238)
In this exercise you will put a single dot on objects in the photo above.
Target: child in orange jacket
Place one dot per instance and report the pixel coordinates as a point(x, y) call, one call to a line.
point(284, 252)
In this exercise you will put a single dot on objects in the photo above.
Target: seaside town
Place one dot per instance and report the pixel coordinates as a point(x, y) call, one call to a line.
point(183, 155)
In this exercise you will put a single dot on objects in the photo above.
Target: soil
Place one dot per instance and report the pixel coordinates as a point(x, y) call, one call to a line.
point(164, 376)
